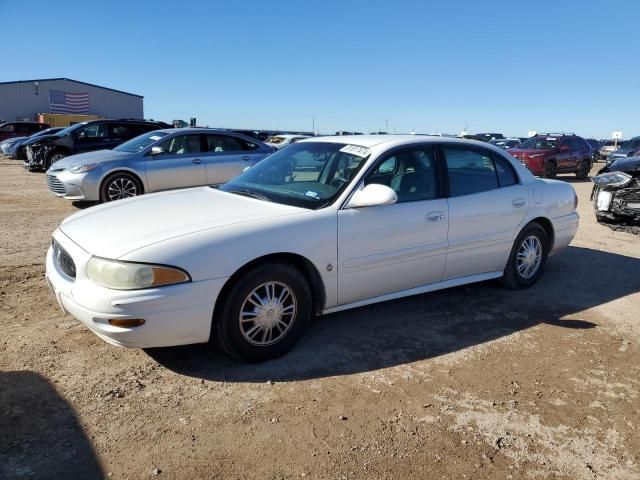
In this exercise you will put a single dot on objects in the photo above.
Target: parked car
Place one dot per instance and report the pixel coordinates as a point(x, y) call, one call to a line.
point(20, 129)
point(546, 155)
point(506, 143)
point(616, 190)
point(155, 161)
point(483, 137)
point(630, 148)
point(595, 146)
point(16, 147)
point(324, 225)
point(607, 148)
point(281, 141)
point(85, 137)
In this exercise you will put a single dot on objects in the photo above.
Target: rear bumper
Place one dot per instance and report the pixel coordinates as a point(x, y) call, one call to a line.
point(174, 315)
point(565, 229)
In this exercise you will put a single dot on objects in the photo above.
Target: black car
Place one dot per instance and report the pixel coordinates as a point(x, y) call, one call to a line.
point(85, 137)
point(595, 146)
point(616, 191)
point(484, 137)
point(21, 150)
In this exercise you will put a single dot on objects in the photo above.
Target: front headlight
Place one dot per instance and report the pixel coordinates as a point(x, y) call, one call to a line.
point(612, 179)
point(133, 276)
point(83, 168)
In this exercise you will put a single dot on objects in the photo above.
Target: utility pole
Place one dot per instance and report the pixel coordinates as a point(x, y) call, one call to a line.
point(313, 124)
point(386, 126)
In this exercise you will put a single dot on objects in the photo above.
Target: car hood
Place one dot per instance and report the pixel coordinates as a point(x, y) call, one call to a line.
point(116, 229)
point(626, 164)
point(99, 156)
point(44, 138)
point(13, 140)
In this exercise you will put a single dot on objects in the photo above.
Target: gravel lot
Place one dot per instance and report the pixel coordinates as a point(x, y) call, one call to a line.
point(474, 382)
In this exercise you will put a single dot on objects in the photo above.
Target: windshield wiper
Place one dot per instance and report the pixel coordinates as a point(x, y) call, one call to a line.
point(249, 193)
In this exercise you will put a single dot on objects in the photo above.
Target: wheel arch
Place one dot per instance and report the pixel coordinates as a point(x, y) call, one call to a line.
point(545, 223)
point(303, 264)
point(111, 173)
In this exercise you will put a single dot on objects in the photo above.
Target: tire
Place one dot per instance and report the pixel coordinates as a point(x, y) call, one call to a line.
point(52, 158)
point(550, 169)
point(237, 333)
point(118, 186)
point(583, 170)
point(513, 276)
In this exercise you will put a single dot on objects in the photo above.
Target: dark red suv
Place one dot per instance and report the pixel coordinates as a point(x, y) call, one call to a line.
point(546, 155)
point(20, 129)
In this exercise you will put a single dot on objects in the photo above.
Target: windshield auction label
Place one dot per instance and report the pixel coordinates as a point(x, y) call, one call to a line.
point(356, 150)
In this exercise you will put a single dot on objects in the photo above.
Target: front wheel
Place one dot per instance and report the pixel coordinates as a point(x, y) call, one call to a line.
point(264, 314)
point(52, 158)
point(119, 186)
point(550, 169)
point(527, 258)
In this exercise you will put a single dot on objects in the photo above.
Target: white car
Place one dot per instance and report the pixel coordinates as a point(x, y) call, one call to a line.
point(324, 225)
point(281, 141)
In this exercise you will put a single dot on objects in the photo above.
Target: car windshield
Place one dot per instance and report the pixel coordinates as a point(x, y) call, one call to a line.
point(307, 174)
point(141, 142)
point(539, 143)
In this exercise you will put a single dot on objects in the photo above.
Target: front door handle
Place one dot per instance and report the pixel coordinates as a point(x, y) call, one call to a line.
point(196, 161)
point(246, 158)
point(518, 202)
point(434, 217)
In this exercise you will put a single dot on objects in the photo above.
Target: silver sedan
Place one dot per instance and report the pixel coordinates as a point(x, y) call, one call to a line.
point(155, 161)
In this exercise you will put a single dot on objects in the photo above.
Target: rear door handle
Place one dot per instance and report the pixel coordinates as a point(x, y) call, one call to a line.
point(434, 217)
point(196, 161)
point(518, 202)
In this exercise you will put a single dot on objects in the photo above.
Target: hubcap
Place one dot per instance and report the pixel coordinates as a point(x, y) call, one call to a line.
point(121, 187)
point(529, 256)
point(267, 313)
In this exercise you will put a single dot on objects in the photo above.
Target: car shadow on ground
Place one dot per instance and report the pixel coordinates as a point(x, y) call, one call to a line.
point(426, 326)
point(82, 204)
point(40, 436)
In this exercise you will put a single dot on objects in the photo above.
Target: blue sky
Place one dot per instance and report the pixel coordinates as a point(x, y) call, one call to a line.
point(504, 66)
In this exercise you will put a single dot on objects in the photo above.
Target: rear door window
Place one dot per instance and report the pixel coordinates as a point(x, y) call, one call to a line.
point(470, 170)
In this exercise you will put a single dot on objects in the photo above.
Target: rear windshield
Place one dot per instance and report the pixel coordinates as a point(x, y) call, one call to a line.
point(539, 143)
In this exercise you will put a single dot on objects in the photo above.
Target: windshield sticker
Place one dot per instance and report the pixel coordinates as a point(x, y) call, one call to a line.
point(155, 137)
point(312, 194)
point(356, 150)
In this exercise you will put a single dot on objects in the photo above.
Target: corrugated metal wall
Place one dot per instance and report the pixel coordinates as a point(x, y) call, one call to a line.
point(19, 101)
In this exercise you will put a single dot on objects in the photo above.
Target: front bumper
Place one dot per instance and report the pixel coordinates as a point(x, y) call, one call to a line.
point(73, 186)
point(617, 203)
point(565, 229)
point(174, 315)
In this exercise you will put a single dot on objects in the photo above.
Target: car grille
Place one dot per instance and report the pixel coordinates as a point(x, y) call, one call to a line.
point(63, 260)
point(55, 185)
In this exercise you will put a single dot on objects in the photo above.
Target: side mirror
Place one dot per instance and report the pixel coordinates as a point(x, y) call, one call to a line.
point(373, 195)
point(156, 151)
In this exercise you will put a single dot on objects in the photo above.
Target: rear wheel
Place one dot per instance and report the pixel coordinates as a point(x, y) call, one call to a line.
point(527, 258)
point(550, 169)
point(264, 314)
point(583, 169)
point(118, 186)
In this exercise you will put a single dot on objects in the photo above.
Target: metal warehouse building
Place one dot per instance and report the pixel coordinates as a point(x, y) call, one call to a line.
point(24, 99)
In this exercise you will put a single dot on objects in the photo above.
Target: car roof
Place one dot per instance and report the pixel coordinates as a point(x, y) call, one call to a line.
point(397, 140)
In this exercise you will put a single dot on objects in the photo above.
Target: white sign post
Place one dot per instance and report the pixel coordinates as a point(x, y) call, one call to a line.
point(617, 135)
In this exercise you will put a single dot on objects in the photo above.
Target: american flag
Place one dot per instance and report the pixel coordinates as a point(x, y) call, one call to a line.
point(63, 102)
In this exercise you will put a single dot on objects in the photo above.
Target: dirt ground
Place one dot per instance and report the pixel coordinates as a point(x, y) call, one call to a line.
point(475, 382)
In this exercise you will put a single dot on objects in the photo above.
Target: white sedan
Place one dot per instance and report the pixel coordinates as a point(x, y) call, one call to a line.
point(326, 224)
point(281, 141)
